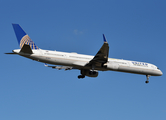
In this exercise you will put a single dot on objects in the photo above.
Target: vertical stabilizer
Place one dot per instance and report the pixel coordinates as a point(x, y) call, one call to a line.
point(22, 37)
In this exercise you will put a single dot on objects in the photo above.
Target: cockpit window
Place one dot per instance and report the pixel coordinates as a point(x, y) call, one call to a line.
point(154, 67)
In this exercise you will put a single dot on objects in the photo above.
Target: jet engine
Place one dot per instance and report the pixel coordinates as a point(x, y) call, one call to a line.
point(89, 73)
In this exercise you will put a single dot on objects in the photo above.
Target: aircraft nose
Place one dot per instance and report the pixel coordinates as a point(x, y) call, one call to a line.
point(160, 73)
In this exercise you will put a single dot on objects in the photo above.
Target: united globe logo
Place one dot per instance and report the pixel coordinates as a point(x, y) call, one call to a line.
point(27, 40)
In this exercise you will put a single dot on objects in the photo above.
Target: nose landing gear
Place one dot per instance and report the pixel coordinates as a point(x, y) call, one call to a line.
point(147, 79)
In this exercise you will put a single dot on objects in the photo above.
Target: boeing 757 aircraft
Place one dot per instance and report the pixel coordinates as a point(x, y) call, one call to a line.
point(87, 64)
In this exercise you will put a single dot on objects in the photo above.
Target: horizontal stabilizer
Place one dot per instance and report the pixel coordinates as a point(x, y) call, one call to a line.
point(11, 53)
point(26, 49)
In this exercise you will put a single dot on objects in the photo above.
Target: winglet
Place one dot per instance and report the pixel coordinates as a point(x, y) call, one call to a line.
point(22, 37)
point(105, 40)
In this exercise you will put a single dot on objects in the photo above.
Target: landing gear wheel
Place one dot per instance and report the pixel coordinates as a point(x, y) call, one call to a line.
point(146, 82)
point(81, 76)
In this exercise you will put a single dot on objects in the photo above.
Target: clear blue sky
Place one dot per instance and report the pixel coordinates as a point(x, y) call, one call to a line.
point(135, 30)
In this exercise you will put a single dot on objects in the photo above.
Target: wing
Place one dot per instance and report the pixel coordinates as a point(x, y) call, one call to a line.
point(98, 61)
point(102, 55)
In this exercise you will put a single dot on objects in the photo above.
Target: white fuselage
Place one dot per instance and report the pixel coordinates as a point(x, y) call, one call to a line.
point(79, 61)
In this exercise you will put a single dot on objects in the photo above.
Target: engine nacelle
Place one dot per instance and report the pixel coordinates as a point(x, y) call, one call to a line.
point(90, 73)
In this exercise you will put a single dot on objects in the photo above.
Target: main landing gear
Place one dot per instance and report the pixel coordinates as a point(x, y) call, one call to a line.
point(147, 79)
point(81, 76)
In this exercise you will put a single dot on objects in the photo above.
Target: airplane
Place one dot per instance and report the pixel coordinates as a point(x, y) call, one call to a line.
point(87, 64)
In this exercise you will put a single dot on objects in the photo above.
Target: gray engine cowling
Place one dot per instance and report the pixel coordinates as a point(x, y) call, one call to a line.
point(89, 73)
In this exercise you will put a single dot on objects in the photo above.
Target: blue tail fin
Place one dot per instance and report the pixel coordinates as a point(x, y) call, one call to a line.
point(22, 37)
